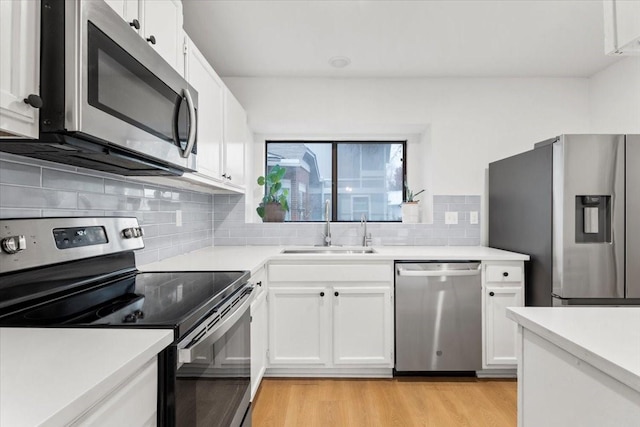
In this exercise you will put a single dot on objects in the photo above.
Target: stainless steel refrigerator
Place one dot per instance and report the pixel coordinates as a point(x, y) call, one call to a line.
point(573, 204)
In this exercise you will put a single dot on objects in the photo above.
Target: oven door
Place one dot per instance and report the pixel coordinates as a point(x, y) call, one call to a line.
point(212, 384)
point(119, 90)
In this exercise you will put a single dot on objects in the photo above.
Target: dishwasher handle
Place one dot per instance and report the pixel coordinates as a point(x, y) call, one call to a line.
point(436, 273)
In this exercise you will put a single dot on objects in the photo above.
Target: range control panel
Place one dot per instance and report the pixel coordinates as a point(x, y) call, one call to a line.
point(36, 242)
point(79, 236)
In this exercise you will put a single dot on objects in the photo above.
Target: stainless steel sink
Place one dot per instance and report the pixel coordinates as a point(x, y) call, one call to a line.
point(330, 250)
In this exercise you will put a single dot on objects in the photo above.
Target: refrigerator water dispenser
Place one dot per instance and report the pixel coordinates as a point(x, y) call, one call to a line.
point(593, 219)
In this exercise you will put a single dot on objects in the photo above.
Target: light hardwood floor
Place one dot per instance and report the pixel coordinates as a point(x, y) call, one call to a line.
point(429, 402)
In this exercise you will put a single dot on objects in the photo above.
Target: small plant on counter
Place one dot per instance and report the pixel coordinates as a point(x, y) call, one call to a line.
point(410, 195)
point(274, 205)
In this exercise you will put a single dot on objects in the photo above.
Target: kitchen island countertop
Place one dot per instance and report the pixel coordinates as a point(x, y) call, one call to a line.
point(50, 376)
point(608, 338)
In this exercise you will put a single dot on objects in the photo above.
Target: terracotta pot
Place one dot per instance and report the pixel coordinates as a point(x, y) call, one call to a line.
point(273, 212)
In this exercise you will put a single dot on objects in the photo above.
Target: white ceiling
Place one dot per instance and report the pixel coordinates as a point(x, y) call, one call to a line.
point(296, 38)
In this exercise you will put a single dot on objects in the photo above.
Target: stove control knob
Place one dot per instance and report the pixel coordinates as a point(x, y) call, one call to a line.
point(14, 244)
point(130, 233)
point(139, 314)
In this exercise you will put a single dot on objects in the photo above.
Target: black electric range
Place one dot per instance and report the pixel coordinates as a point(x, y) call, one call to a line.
point(80, 272)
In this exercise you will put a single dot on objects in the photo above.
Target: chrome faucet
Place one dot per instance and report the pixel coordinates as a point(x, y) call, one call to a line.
point(327, 217)
point(366, 237)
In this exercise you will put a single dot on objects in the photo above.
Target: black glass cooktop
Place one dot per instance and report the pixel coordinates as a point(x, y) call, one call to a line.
point(160, 299)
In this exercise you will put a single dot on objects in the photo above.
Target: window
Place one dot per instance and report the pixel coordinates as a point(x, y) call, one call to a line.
point(357, 177)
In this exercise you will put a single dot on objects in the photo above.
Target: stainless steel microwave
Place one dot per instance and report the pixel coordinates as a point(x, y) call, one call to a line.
point(109, 101)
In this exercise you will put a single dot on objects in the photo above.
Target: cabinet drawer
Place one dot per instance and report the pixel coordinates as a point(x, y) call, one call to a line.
point(331, 273)
point(501, 273)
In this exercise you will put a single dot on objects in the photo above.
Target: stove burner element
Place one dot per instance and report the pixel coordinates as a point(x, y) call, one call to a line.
point(118, 304)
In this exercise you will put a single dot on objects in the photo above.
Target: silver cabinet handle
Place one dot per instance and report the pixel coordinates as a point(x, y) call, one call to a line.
point(193, 124)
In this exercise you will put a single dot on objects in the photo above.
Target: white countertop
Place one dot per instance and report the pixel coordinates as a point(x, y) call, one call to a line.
point(607, 338)
point(50, 376)
point(254, 257)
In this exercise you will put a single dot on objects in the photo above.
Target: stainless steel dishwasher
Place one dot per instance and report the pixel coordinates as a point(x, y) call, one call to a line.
point(438, 317)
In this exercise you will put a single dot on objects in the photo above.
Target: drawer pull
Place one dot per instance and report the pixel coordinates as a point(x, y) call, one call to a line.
point(336, 293)
point(505, 274)
point(491, 294)
point(321, 294)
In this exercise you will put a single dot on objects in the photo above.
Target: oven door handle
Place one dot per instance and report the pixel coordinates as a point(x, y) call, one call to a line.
point(187, 354)
point(193, 123)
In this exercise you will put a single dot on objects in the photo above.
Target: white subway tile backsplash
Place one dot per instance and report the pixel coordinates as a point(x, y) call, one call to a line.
point(20, 213)
point(49, 189)
point(123, 187)
point(52, 178)
point(102, 201)
point(12, 196)
point(17, 173)
point(230, 228)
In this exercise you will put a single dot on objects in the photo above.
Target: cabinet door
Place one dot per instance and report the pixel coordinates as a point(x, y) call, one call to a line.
point(362, 325)
point(210, 103)
point(118, 6)
point(133, 403)
point(298, 325)
point(162, 19)
point(127, 9)
point(501, 332)
point(19, 66)
point(258, 341)
point(235, 138)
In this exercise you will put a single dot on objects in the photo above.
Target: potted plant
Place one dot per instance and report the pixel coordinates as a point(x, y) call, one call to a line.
point(410, 208)
point(274, 205)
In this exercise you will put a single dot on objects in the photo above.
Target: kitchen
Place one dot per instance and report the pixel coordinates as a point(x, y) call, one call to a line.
point(455, 120)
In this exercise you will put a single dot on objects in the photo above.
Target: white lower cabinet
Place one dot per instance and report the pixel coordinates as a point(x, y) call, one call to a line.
point(259, 331)
point(333, 320)
point(133, 403)
point(503, 286)
point(298, 325)
point(362, 325)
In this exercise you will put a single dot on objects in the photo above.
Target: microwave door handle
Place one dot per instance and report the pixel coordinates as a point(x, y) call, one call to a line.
point(193, 125)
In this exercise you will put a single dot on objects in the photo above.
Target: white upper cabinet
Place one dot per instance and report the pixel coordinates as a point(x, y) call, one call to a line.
point(162, 22)
point(222, 125)
point(210, 89)
point(19, 67)
point(159, 22)
point(236, 136)
point(622, 27)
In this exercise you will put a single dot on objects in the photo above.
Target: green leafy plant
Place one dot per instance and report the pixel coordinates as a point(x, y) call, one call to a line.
point(410, 195)
point(274, 193)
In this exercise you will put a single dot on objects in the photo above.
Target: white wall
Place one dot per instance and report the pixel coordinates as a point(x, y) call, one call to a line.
point(614, 98)
point(454, 126)
point(467, 123)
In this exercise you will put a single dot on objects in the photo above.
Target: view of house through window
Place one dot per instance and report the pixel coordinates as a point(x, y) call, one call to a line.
point(367, 178)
